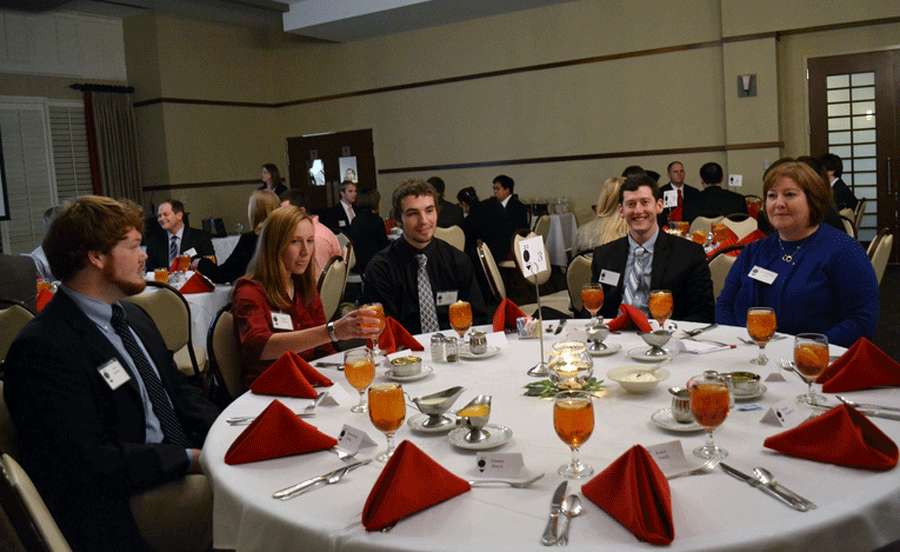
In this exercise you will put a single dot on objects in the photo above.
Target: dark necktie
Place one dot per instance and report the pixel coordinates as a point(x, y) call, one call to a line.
point(678, 211)
point(173, 249)
point(427, 310)
point(171, 427)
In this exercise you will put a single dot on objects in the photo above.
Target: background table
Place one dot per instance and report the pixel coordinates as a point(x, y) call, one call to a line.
point(204, 307)
point(711, 512)
point(561, 238)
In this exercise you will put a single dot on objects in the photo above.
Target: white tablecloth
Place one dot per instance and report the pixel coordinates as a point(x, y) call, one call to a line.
point(561, 238)
point(858, 509)
point(224, 246)
point(204, 307)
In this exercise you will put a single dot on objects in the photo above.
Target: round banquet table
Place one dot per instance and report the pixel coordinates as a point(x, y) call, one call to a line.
point(856, 508)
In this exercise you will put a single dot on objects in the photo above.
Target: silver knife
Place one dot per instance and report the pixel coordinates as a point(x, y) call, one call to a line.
point(551, 535)
point(872, 413)
point(337, 365)
point(560, 326)
point(244, 420)
point(753, 482)
point(299, 488)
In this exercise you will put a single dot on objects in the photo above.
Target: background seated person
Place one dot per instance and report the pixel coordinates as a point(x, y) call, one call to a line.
point(339, 217)
point(327, 244)
point(416, 278)
point(823, 280)
point(608, 225)
point(177, 239)
point(714, 201)
point(842, 194)
point(449, 214)
point(483, 222)
point(280, 282)
point(100, 410)
point(366, 232)
point(262, 202)
point(648, 259)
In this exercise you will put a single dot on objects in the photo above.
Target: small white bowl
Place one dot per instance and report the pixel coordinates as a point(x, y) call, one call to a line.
point(638, 379)
point(406, 366)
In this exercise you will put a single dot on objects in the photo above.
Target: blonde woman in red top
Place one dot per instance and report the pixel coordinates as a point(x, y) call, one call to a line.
point(276, 306)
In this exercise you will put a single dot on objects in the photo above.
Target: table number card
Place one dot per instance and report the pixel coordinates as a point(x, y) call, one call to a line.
point(775, 376)
point(353, 439)
point(534, 256)
point(500, 464)
point(670, 457)
point(337, 396)
point(786, 413)
point(670, 198)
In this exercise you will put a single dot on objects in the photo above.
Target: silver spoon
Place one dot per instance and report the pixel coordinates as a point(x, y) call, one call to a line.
point(707, 467)
point(571, 507)
point(766, 478)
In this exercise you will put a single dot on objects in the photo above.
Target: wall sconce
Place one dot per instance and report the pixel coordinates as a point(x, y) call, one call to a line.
point(746, 85)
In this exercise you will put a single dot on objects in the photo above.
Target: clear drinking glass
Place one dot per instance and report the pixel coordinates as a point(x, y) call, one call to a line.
point(573, 420)
point(461, 317)
point(375, 310)
point(359, 368)
point(710, 401)
point(810, 360)
point(761, 325)
point(660, 304)
point(387, 410)
point(592, 298)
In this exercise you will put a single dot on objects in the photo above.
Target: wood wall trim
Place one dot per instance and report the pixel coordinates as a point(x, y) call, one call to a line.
point(581, 157)
point(188, 185)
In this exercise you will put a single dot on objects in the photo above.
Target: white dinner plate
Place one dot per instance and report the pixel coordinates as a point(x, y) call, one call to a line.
point(497, 435)
point(663, 418)
point(466, 355)
point(426, 371)
point(611, 349)
point(638, 354)
point(417, 423)
point(760, 391)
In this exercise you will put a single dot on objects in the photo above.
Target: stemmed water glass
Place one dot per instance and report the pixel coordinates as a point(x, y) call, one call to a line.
point(810, 360)
point(761, 324)
point(461, 317)
point(710, 401)
point(592, 299)
point(375, 310)
point(387, 410)
point(573, 420)
point(359, 368)
point(660, 304)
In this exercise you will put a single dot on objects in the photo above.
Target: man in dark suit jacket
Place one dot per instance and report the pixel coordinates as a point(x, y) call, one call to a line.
point(684, 194)
point(674, 263)
point(339, 217)
point(449, 214)
point(94, 426)
point(516, 211)
point(189, 241)
point(843, 195)
point(714, 201)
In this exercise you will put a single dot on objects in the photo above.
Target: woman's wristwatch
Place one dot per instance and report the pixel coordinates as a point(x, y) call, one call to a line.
point(331, 334)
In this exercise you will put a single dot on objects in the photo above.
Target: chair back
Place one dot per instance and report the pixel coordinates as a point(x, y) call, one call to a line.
point(171, 314)
point(9, 439)
point(491, 271)
point(18, 275)
point(859, 213)
point(719, 267)
point(542, 227)
point(13, 318)
point(225, 353)
point(847, 212)
point(350, 256)
point(542, 276)
point(704, 224)
point(34, 525)
point(743, 227)
point(881, 253)
point(331, 285)
point(848, 226)
point(577, 275)
point(453, 235)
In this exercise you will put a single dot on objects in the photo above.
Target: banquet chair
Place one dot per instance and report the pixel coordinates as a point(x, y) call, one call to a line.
point(847, 212)
point(13, 317)
point(704, 224)
point(577, 275)
point(719, 266)
point(558, 301)
point(350, 259)
point(848, 226)
point(28, 514)
point(176, 515)
point(742, 227)
point(225, 355)
point(331, 285)
point(18, 275)
point(859, 213)
point(453, 235)
point(882, 252)
point(171, 313)
point(347, 247)
point(491, 271)
point(542, 227)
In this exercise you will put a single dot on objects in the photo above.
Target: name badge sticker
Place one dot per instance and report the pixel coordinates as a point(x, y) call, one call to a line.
point(114, 374)
point(190, 252)
point(282, 321)
point(342, 223)
point(762, 275)
point(445, 298)
point(670, 198)
point(609, 277)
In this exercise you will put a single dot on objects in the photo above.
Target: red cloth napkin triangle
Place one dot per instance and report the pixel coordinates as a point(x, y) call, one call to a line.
point(630, 317)
point(43, 299)
point(840, 436)
point(313, 376)
point(505, 315)
point(395, 337)
point(284, 378)
point(636, 494)
point(410, 482)
point(276, 432)
point(197, 283)
point(863, 366)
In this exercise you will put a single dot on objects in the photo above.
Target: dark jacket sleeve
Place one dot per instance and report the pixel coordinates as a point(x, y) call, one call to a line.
point(378, 285)
point(699, 288)
point(468, 282)
point(235, 266)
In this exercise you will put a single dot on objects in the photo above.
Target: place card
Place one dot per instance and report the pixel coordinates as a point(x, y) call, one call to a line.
point(775, 376)
point(670, 457)
point(534, 257)
point(352, 439)
point(338, 396)
point(786, 413)
point(670, 198)
point(498, 339)
point(702, 347)
point(500, 464)
point(190, 253)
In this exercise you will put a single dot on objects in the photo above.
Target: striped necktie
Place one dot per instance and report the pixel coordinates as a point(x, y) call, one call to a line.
point(173, 249)
point(427, 309)
point(636, 291)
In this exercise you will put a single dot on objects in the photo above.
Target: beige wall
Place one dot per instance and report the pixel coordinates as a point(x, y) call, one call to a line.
point(758, 16)
point(56, 88)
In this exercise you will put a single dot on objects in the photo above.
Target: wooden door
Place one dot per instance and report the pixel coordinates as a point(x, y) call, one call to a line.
point(308, 152)
point(853, 103)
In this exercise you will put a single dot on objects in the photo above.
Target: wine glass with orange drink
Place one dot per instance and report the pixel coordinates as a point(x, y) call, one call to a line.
point(387, 410)
point(710, 401)
point(573, 420)
point(359, 369)
point(660, 304)
point(761, 324)
point(461, 317)
point(375, 310)
point(810, 359)
point(592, 299)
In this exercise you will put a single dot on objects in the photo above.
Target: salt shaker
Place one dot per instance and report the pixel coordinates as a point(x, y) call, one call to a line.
point(438, 347)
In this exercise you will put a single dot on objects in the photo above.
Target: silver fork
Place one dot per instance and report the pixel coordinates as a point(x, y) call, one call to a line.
point(514, 484)
point(707, 467)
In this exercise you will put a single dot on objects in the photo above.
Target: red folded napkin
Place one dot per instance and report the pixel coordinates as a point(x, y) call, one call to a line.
point(723, 245)
point(756, 235)
point(395, 337)
point(863, 366)
point(276, 432)
point(284, 378)
point(636, 494)
point(840, 436)
point(197, 283)
point(43, 299)
point(410, 482)
point(630, 317)
point(505, 315)
point(313, 376)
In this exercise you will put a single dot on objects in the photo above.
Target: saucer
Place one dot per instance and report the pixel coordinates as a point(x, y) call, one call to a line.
point(663, 418)
point(426, 371)
point(416, 423)
point(465, 354)
point(611, 349)
point(638, 354)
point(760, 391)
point(497, 435)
